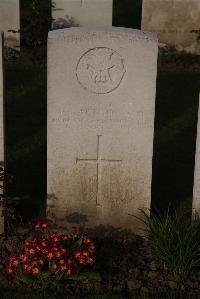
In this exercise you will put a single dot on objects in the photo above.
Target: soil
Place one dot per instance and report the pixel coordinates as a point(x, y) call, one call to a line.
point(124, 262)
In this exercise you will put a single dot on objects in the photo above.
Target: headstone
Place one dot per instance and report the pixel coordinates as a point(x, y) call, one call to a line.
point(1, 131)
point(177, 22)
point(10, 20)
point(196, 191)
point(101, 98)
point(70, 13)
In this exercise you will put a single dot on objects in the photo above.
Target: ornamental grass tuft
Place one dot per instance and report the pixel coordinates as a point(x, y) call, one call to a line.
point(174, 241)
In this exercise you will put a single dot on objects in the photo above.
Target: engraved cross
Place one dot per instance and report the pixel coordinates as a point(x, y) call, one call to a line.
point(82, 3)
point(99, 162)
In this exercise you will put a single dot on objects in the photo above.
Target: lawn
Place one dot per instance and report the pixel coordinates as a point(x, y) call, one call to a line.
point(175, 138)
point(25, 123)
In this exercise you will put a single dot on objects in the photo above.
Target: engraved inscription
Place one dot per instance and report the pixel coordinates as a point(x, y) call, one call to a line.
point(98, 161)
point(100, 70)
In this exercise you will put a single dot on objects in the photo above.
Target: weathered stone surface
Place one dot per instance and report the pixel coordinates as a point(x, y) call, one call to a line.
point(101, 101)
point(1, 128)
point(173, 21)
point(10, 20)
point(70, 13)
point(196, 190)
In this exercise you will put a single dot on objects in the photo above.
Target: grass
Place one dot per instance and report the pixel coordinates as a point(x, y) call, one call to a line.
point(173, 164)
point(175, 138)
point(26, 134)
point(174, 242)
point(176, 118)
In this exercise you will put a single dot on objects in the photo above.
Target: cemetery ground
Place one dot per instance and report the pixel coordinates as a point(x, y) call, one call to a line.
point(125, 264)
point(175, 122)
point(128, 265)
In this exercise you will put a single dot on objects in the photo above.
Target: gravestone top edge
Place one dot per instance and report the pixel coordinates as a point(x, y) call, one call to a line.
point(82, 30)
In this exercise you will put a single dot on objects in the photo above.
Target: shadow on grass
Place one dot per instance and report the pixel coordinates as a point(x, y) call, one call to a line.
point(26, 104)
point(175, 139)
point(174, 144)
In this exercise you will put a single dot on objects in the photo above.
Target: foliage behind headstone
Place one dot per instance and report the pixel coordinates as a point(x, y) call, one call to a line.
point(36, 22)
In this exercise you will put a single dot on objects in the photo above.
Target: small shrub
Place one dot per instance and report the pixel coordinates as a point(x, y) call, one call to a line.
point(52, 257)
point(174, 242)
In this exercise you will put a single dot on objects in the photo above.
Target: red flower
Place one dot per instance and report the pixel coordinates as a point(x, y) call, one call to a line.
point(34, 263)
point(42, 224)
point(31, 251)
point(71, 268)
point(65, 238)
point(63, 250)
point(10, 271)
point(55, 237)
point(84, 257)
point(24, 258)
point(27, 268)
point(50, 255)
point(14, 261)
point(58, 254)
point(42, 244)
point(35, 271)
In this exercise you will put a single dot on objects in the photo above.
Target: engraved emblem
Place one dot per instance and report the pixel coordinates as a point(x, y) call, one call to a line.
point(100, 70)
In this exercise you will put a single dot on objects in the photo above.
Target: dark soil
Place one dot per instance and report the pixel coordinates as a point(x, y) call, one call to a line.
point(124, 262)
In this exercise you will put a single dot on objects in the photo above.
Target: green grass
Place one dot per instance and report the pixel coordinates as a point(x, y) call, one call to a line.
point(174, 145)
point(175, 138)
point(174, 241)
point(26, 106)
point(175, 123)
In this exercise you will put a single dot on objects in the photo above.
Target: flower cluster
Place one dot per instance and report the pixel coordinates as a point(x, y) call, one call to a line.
point(41, 225)
point(53, 253)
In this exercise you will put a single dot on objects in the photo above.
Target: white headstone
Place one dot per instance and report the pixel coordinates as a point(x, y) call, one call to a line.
point(173, 21)
point(68, 13)
point(10, 20)
point(196, 191)
point(101, 98)
point(1, 128)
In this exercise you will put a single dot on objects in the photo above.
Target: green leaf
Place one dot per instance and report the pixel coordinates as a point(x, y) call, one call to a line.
point(76, 245)
point(86, 276)
point(45, 275)
point(92, 276)
point(59, 277)
point(78, 277)
point(25, 278)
